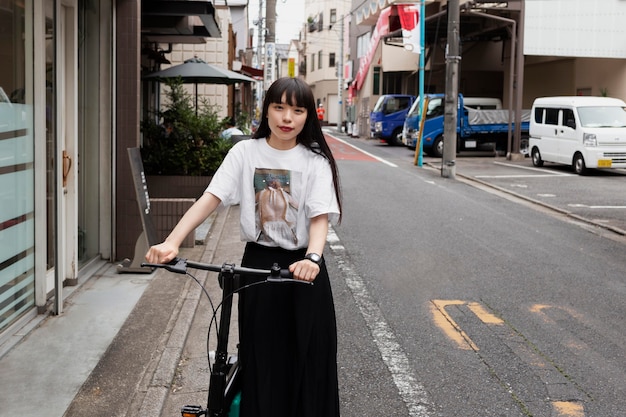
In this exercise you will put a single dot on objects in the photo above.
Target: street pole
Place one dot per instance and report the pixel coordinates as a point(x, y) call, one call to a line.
point(448, 165)
point(340, 75)
point(422, 22)
point(270, 21)
point(260, 56)
point(519, 86)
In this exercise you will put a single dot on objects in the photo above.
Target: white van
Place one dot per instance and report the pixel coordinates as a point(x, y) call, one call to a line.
point(584, 132)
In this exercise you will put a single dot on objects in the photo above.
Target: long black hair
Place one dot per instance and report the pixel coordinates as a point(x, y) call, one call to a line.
point(298, 93)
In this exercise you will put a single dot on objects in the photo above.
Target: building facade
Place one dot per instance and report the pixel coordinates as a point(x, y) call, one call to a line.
point(71, 103)
point(514, 50)
point(322, 40)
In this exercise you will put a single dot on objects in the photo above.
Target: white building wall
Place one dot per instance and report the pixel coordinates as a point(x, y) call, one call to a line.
point(580, 28)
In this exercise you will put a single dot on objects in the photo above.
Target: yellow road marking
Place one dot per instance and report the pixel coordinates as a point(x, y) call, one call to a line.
point(485, 316)
point(451, 329)
point(568, 409)
point(448, 326)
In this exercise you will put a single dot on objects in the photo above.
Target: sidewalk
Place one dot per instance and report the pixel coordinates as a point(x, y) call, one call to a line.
point(116, 347)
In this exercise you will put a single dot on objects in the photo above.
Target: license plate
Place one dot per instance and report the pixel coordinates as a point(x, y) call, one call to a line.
point(470, 144)
point(604, 163)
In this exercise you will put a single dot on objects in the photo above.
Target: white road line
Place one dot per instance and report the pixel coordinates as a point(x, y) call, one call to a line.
point(411, 392)
point(384, 161)
point(551, 173)
point(596, 207)
point(516, 176)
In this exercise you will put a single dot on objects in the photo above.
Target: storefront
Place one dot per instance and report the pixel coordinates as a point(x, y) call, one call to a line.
point(55, 161)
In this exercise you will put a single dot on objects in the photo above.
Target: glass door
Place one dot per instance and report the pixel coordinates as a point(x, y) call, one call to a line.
point(17, 164)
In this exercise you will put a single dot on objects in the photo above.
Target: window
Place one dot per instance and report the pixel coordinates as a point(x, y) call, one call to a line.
point(435, 108)
point(331, 59)
point(302, 66)
point(17, 165)
point(376, 83)
point(362, 45)
point(333, 16)
point(319, 60)
point(539, 115)
point(312, 62)
point(568, 118)
point(552, 116)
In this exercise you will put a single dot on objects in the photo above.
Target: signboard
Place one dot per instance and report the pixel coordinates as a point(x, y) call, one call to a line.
point(291, 67)
point(269, 70)
point(149, 236)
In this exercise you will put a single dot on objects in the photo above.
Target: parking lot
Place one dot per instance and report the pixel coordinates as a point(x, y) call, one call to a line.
point(598, 197)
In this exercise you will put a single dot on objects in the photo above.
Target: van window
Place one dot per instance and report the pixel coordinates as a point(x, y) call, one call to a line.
point(552, 116)
point(602, 116)
point(568, 118)
point(539, 115)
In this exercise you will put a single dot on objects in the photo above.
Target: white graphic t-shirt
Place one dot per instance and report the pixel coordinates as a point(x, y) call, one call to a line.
point(279, 191)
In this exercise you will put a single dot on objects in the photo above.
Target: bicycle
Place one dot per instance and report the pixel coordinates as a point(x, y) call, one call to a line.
point(224, 389)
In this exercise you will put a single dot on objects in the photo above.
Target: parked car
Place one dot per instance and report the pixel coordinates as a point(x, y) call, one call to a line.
point(584, 132)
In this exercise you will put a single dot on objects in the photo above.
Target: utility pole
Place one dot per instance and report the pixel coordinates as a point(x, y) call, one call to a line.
point(270, 21)
point(260, 56)
point(451, 113)
point(340, 75)
point(519, 86)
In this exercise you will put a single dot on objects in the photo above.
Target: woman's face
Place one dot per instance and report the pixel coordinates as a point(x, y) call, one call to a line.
point(285, 122)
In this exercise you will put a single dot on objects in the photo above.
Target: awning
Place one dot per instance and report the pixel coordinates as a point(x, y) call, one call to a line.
point(251, 71)
point(178, 21)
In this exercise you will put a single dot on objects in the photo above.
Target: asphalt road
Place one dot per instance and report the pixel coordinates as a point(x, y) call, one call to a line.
point(455, 298)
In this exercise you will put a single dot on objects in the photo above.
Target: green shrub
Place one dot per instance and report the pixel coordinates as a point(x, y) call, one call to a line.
point(180, 140)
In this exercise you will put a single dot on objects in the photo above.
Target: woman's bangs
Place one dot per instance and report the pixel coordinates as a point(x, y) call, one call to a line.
point(294, 94)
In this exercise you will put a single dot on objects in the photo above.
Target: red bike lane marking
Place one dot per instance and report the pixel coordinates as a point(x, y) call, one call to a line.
point(342, 150)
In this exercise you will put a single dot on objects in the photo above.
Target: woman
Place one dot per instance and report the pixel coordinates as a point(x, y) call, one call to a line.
point(286, 182)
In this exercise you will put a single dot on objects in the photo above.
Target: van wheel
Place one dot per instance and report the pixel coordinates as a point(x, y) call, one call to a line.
point(536, 156)
point(579, 164)
point(437, 149)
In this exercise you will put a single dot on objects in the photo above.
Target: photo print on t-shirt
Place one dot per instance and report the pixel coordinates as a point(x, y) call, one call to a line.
point(276, 207)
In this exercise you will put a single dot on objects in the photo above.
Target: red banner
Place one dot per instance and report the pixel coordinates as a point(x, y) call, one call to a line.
point(409, 20)
point(382, 29)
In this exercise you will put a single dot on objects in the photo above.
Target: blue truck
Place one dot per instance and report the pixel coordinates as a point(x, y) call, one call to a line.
point(387, 117)
point(477, 126)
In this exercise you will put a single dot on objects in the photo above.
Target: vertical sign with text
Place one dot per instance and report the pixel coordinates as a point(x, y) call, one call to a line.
point(269, 70)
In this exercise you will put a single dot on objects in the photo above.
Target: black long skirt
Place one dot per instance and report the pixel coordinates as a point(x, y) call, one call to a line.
point(288, 342)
